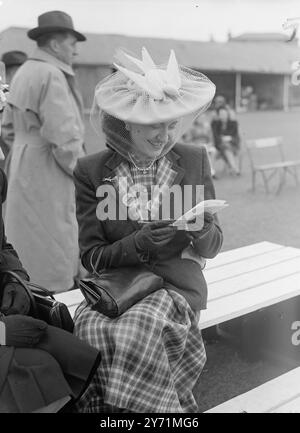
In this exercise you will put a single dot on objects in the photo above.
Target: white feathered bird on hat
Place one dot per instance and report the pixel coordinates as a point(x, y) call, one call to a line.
point(158, 83)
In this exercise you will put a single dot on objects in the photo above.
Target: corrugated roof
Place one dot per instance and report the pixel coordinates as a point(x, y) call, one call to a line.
point(261, 37)
point(265, 57)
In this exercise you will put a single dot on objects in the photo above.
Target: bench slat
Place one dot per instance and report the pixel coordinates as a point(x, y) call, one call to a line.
point(281, 393)
point(250, 264)
point(241, 253)
point(248, 281)
point(72, 297)
point(241, 303)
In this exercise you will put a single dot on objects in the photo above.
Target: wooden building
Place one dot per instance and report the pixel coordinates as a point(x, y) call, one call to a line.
point(252, 71)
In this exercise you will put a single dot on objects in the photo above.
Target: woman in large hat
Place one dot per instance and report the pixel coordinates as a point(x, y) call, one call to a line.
point(153, 354)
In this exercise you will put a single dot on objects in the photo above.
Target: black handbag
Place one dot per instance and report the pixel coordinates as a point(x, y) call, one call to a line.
point(44, 306)
point(115, 290)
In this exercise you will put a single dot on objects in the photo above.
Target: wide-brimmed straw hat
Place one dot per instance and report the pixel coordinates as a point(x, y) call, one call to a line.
point(54, 21)
point(141, 92)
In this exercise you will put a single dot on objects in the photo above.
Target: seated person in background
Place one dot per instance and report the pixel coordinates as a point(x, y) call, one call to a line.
point(227, 139)
point(202, 135)
point(18, 334)
point(42, 367)
point(218, 103)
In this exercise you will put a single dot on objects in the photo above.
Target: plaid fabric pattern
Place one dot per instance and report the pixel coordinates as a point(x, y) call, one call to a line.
point(161, 173)
point(122, 173)
point(146, 178)
point(165, 175)
point(152, 356)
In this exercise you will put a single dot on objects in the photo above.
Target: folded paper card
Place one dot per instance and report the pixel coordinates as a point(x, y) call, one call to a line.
point(192, 220)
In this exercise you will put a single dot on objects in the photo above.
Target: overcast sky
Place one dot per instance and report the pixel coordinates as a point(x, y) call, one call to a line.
point(182, 19)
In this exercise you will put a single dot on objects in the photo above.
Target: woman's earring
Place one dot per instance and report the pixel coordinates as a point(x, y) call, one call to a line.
point(127, 127)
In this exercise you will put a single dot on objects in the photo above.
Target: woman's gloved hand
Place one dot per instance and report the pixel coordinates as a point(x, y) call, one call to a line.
point(154, 235)
point(23, 331)
point(208, 222)
point(14, 299)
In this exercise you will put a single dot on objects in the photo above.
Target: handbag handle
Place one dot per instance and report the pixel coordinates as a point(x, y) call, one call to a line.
point(39, 290)
point(26, 288)
point(97, 261)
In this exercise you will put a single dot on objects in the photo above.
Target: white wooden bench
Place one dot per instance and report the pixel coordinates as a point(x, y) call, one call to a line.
point(240, 281)
point(280, 395)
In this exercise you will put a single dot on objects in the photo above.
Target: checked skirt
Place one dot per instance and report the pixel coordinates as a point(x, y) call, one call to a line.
point(152, 356)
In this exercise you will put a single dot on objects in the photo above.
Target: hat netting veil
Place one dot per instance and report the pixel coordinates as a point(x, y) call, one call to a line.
point(144, 94)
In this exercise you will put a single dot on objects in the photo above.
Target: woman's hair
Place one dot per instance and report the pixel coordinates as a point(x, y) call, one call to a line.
point(110, 123)
point(115, 131)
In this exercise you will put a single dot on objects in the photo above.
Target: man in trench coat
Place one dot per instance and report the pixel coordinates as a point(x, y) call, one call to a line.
point(42, 368)
point(43, 125)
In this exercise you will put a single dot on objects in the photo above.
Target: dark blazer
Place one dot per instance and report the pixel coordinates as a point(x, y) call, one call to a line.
point(116, 238)
point(59, 365)
point(9, 259)
point(231, 129)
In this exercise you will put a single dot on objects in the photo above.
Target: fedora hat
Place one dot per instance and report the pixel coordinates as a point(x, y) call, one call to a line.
point(54, 21)
point(13, 58)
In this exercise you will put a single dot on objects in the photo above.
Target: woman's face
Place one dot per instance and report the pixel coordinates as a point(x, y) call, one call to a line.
point(150, 140)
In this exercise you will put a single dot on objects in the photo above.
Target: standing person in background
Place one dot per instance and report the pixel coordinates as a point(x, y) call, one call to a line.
point(45, 129)
point(12, 61)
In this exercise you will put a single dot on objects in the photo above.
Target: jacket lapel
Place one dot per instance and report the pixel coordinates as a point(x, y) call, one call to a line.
point(110, 173)
point(173, 157)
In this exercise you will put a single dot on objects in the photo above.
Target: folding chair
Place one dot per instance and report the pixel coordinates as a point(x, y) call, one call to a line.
point(267, 158)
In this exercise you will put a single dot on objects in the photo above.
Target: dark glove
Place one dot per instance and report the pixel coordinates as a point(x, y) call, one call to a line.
point(153, 236)
point(208, 222)
point(14, 299)
point(23, 331)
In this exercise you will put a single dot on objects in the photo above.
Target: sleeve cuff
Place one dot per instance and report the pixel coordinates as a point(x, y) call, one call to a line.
point(2, 333)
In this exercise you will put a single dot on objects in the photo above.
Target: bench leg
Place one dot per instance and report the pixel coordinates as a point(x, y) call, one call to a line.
point(282, 180)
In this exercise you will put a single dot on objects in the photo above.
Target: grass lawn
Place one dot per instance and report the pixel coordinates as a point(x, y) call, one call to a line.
point(251, 217)
point(254, 217)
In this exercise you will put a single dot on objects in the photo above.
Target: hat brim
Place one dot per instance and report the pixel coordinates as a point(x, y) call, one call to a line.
point(39, 31)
